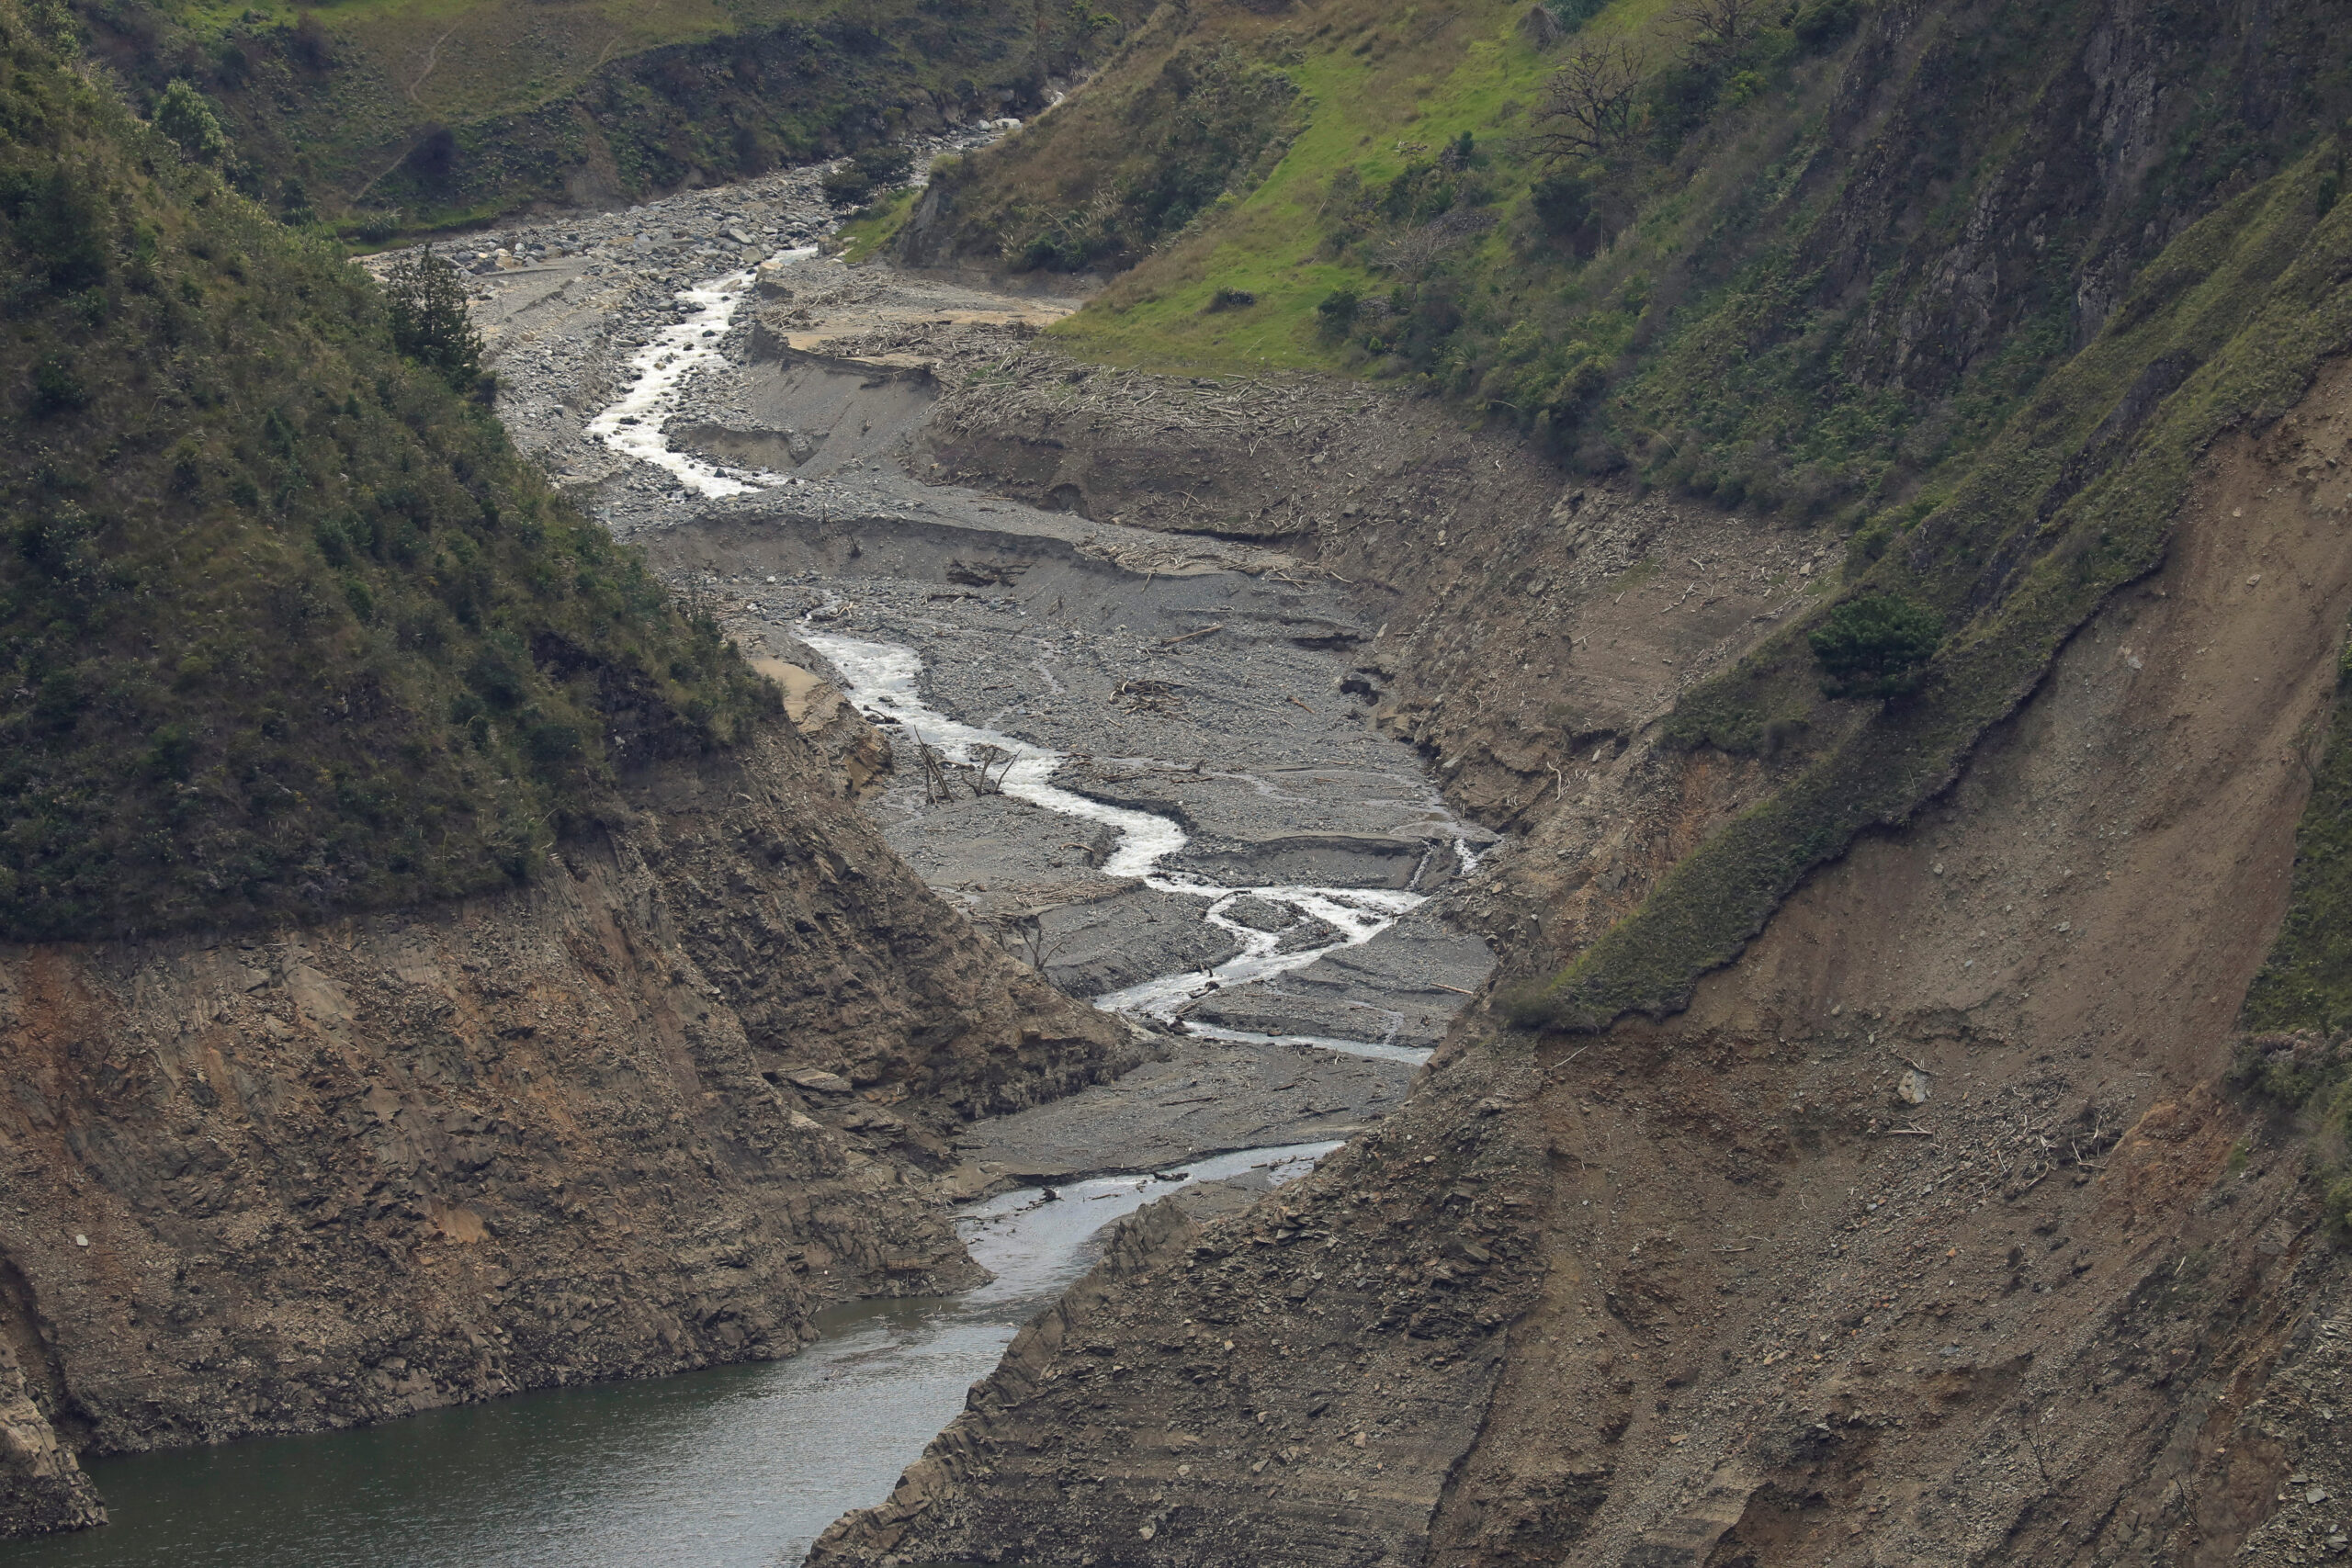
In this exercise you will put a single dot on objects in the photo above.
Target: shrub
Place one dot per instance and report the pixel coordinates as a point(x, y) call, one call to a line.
point(54, 216)
point(1821, 23)
point(1338, 312)
point(1874, 646)
point(876, 169)
point(1232, 299)
point(182, 115)
point(56, 387)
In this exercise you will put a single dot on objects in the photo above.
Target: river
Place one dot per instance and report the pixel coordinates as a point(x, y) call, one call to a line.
point(746, 1465)
point(738, 1468)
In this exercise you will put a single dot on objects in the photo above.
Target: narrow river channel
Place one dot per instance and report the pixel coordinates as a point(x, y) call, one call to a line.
point(886, 678)
point(1302, 851)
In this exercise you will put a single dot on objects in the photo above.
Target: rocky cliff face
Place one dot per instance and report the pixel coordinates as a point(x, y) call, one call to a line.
point(1923, 1234)
point(646, 1113)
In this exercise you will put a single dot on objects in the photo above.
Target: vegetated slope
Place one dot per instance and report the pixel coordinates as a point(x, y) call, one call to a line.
point(287, 627)
point(1812, 261)
point(388, 115)
point(430, 966)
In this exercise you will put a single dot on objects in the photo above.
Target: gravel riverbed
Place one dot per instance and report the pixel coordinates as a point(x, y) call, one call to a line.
point(707, 382)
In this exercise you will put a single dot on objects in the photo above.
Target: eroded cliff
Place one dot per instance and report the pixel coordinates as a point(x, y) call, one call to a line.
point(646, 1113)
point(1929, 1230)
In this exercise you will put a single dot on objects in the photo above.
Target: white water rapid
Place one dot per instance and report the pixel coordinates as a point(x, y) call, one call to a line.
point(633, 425)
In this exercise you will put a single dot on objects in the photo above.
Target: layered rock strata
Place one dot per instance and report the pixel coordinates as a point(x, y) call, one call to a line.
point(647, 1111)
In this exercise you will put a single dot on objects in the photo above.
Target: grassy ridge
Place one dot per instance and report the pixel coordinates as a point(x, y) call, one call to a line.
point(286, 626)
point(2297, 1053)
point(1750, 296)
point(2306, 982)
point(386, 116)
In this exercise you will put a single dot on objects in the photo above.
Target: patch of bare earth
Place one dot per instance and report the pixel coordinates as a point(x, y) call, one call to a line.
point(1923, 1235)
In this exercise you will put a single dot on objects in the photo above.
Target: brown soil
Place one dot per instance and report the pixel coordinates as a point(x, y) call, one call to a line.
point(649, 1111)
point(1726, 1290)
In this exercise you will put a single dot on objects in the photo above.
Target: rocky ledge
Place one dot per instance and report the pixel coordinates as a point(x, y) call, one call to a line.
point(647, 1112)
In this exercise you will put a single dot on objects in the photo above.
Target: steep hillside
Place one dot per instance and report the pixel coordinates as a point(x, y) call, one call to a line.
point(1867, 1163)
point(384, 115)
point(430, 964)
point(210, 431)
point(1807, 258)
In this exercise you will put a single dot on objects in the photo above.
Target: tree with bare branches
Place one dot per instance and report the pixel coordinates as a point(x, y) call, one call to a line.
point(1589, 104)
point(1719, 29)
point(987, 770)
point(1413, 252)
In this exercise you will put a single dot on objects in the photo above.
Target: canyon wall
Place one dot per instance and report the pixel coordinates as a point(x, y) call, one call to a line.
point(647, 1112)
point(1928, 1232)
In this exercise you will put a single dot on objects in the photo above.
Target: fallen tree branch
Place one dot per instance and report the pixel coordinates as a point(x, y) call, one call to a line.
point(1170, 642)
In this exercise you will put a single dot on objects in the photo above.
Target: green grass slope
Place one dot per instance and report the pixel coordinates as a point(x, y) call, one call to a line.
point(1815, 272)
point(286, 626)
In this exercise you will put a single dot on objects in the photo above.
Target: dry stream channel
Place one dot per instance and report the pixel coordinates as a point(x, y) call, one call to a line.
point(1131, 756)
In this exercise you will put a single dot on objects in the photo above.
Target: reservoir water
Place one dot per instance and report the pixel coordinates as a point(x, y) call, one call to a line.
point(737, 1467)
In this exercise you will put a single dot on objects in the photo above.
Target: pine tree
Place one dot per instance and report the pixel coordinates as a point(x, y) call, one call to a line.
point(425, 298)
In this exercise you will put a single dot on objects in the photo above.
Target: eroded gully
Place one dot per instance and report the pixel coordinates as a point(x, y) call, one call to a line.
point(1130, 756)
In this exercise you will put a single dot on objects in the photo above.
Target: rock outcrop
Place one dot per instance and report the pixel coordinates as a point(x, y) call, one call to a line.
point(645, 1112)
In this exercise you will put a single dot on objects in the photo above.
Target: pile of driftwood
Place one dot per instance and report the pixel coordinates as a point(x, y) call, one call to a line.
point(983, 774)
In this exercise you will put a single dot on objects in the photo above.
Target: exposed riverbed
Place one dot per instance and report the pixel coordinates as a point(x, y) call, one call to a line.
point(1135, 759)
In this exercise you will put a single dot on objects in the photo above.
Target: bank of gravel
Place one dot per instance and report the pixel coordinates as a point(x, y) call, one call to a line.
point(1208, 681)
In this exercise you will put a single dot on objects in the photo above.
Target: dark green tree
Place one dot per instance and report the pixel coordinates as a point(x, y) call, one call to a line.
point(867, 174)
point(1336, 312)
point(425, 298)
point(184, 116)
point(1875, 645)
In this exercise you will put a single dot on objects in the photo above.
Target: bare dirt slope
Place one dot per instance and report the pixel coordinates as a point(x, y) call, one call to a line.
point(649, 1112)
point(1998, 1338)
point(1740, 1294)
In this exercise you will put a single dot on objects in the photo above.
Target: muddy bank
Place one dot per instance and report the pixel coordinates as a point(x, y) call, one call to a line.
point(1209, 734)
point(1920, 1236)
